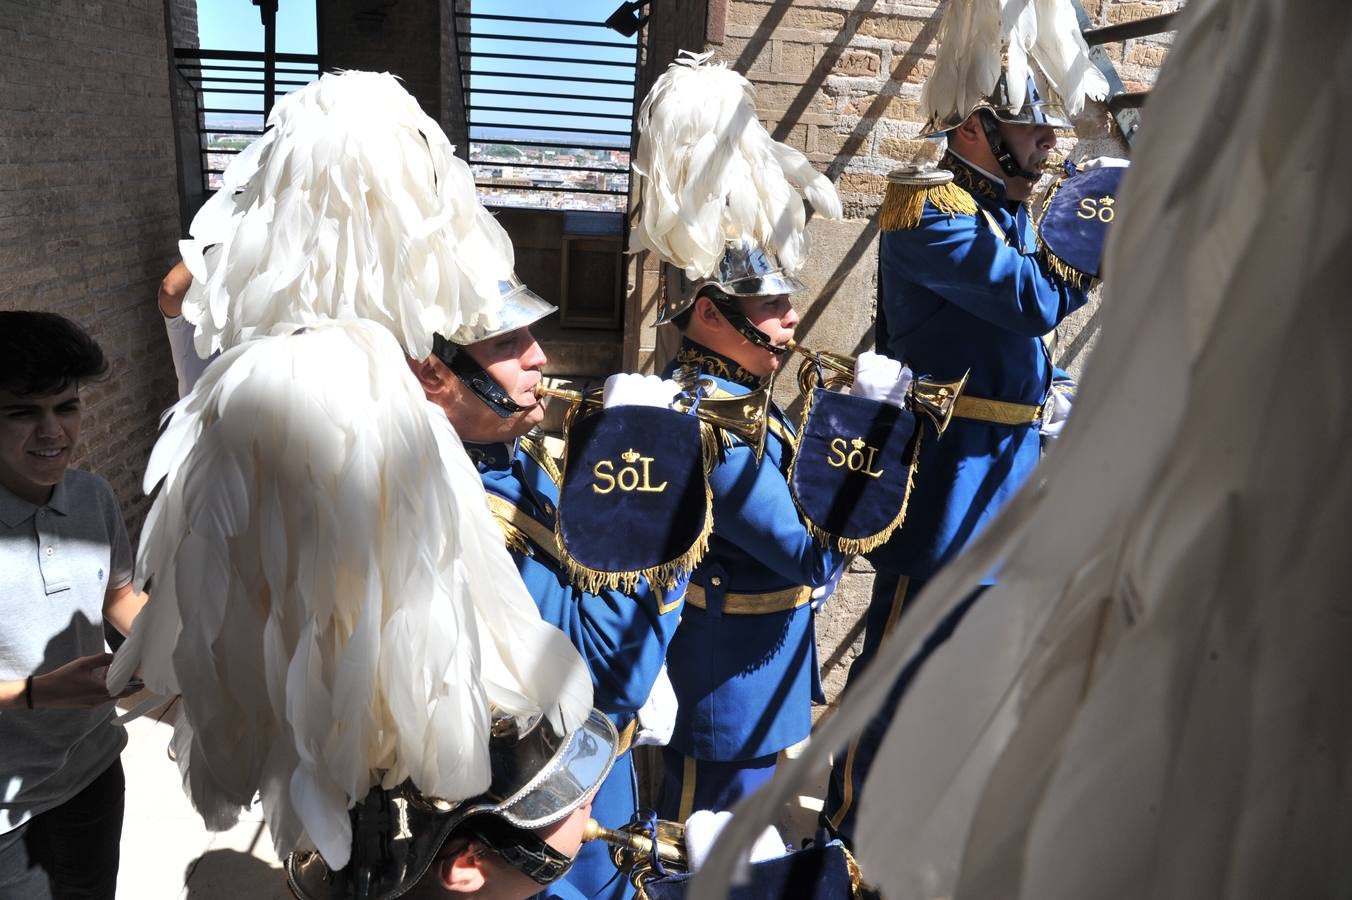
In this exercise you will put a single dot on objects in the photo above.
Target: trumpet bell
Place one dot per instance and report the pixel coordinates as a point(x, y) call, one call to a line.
point(938, 399)
point(747, 415)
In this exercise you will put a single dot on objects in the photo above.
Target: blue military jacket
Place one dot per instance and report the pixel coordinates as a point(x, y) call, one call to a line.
point(622, 637)
point(963, 292)
point(745, 682)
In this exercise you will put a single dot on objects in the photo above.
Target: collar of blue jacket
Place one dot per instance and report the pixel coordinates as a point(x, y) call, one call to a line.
point(710, 363)
point(984, 188)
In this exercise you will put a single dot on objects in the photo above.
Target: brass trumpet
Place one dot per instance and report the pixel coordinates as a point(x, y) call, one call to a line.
point(936, 399)
point(632, 849)
point(746, 416)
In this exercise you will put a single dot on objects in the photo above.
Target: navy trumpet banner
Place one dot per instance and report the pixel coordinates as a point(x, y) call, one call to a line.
point(635, 499)
point(851, 476)
point(1079, 211)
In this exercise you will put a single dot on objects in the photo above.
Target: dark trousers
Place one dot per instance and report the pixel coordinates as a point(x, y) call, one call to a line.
point(692, 784)
point(70, 851)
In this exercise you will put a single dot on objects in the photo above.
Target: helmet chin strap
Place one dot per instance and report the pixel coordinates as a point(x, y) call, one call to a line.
point(473, 376)
point(732, 311)
point(1003, 157)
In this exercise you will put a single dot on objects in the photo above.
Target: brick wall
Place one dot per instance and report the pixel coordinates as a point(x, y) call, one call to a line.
point(187, 120)
point(1138, 60)
point(88, 204)
point(403, 38)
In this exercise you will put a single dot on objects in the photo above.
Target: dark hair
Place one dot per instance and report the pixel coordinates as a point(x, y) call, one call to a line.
point(682, 321)
point(42, 353)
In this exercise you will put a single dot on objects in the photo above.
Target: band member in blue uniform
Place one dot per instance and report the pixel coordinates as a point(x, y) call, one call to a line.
point(963, 286)
point(744, 661)
point(725, 202)
point(485, 382)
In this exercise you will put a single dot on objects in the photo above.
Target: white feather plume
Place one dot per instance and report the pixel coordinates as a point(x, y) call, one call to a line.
point(709, 174)
point(976, 36)
point(329, 591)
point(1152, 700)
point(351, 205)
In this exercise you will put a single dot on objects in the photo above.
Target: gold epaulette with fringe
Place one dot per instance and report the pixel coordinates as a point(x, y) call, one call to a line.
point(903, 204)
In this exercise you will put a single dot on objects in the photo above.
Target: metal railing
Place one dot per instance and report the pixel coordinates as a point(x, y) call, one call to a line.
point(231, 88)
point(547, 129)
point(1124, 105)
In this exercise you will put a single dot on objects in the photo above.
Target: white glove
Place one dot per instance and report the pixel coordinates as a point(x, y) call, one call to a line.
point(1056, 413)
point(880, 378)
point(703, 827)
point(822, 594)
point(657, 718)
point(627, 389)
point(1104, 162)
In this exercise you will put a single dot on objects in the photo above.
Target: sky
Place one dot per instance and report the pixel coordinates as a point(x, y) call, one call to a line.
point(236, 25)
point(571, 60)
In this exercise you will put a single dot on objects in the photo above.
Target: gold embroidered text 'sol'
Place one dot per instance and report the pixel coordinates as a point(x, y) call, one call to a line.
point(633, 475)
point(1101, 209)
point(854, 455)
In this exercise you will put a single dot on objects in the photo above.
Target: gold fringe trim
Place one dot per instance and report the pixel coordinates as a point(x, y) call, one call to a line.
point(856, 874)
point(856, 546)
point(514, 537)
point(1062, 270)
point(1048, 197)
point(1071, 276)
point(666, 575)
point(903, 204)
point(520, 531)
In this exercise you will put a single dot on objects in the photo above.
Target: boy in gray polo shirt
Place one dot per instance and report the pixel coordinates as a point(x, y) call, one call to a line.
point(65, 566)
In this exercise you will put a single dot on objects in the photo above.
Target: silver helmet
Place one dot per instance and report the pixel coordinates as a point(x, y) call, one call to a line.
point(520, 307)
point(539, 777)
point(1034, 111)
point(744, 270)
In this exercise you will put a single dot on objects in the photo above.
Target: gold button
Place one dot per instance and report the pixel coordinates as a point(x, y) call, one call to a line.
point(715, 581)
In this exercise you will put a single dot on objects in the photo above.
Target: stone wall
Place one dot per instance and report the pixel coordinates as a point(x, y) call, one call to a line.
point(89, 206)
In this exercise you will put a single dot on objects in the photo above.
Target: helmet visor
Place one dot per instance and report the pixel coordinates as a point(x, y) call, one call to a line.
point(576, 767)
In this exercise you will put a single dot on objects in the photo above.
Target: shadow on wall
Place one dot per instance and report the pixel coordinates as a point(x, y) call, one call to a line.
point(901, 70)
